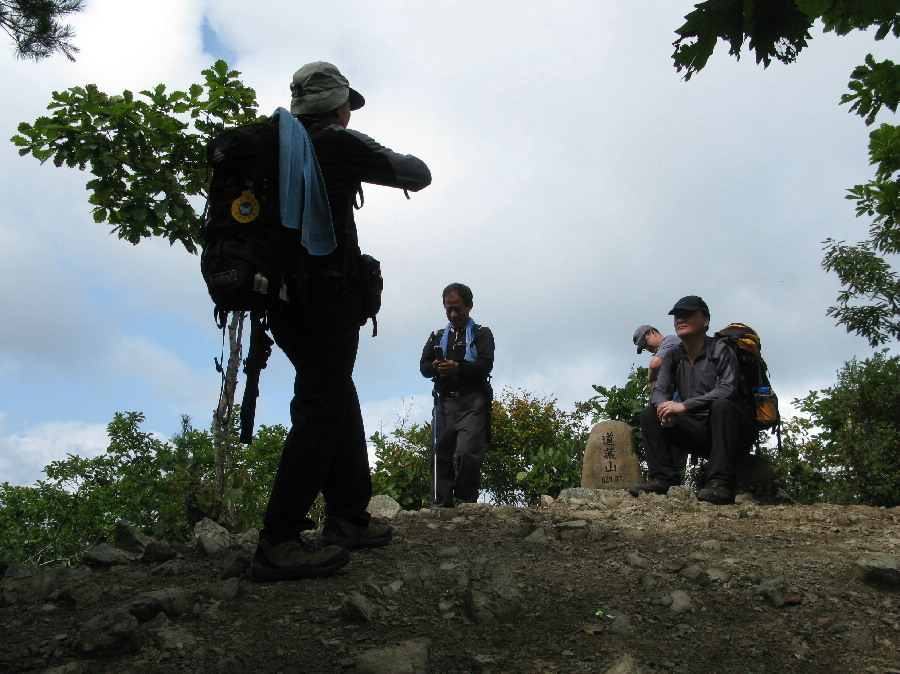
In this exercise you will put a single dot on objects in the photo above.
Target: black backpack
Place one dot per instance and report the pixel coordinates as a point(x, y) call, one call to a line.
point(754, 386)
point(250, 262)
point(249, 259)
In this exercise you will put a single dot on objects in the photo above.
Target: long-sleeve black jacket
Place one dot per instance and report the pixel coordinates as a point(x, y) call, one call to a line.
point(349, 158)
point(472, 376)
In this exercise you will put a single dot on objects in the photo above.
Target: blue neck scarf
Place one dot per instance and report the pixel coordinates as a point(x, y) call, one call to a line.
point(304, 203)
point(471, 351)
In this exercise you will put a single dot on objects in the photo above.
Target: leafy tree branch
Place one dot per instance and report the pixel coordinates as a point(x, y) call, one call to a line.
point(146, 152)
point(773, 29)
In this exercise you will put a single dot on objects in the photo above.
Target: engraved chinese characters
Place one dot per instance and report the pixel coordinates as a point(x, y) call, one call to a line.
point(609, 459)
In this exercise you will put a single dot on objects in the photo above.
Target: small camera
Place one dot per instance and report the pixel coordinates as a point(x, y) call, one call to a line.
point(438, 353)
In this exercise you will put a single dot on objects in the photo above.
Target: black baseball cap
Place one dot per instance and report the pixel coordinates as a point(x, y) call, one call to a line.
point(691, 303)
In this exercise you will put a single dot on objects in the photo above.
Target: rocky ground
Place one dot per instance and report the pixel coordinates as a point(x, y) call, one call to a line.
point(599, 582)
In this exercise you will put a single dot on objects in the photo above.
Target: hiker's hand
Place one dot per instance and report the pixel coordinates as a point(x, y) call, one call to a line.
point(668, 412)
point(445, 366)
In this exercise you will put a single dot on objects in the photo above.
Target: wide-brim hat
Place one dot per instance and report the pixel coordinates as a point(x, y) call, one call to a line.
point(319, 87)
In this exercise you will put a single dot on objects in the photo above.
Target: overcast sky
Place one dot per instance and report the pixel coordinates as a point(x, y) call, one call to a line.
point(580, 188)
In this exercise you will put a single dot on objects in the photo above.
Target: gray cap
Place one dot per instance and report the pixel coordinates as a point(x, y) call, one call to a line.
point(640, 337)
point(319, 87)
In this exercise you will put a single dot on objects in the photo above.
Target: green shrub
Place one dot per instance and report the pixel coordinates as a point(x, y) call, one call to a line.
point(845, 448)
point(79, 503)
point(401, 465)
point(536, 449)
point(43, 524)
point(162, 488)
point(553, 469)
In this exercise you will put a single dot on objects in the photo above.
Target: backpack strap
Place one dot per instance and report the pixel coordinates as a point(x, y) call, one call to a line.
point(714, 352)
point(674, 364)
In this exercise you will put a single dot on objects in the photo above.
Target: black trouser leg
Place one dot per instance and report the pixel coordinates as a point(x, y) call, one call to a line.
point(731, 431)
point(471, 445)
point(441, 455)
point(348, 485)
point(325, 449)
point(665, 459)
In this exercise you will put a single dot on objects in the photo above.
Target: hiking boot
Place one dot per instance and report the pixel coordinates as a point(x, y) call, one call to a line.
point(295, 559)
point(339, 531)
point(717, 494)
point(654, 486)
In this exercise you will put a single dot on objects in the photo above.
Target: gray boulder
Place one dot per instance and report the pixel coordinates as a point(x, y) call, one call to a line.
point(111, 631)
point(126, 538)
point(383, 505)
point(879, 570)
point(212, 539)
point(173, 602)
point(491, 595)
point(409, 657)
point(104, 556)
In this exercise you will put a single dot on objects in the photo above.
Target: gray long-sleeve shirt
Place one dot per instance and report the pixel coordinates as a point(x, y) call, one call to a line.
point(712, 376)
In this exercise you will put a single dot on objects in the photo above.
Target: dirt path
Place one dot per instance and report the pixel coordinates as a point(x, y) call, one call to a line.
point(681, 587)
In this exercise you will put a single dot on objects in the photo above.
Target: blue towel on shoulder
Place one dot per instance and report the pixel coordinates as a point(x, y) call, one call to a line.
point(471, 350)
point(304, 202)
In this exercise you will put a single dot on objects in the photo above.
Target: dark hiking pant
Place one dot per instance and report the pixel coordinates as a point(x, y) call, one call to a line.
point(722, 436)
point(325, 450)
point(460, 433)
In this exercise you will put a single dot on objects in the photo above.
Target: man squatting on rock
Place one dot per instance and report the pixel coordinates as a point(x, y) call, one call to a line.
point(459, 359)
point(325, 450)
point(711, 420)
point(649, 338)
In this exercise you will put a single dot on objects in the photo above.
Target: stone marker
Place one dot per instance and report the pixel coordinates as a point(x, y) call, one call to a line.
point(609, 459)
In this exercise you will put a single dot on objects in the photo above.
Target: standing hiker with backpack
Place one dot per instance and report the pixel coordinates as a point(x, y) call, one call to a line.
point(325, 450)
point(713, 419)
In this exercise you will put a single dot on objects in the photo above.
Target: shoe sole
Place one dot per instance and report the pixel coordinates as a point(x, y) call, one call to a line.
point(267, 574)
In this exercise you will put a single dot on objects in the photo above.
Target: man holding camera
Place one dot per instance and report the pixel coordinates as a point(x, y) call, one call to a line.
point(458, 359)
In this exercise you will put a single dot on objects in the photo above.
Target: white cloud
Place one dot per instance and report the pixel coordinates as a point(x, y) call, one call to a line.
point(23, 456)
point(150, 364)
point(135, 45)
